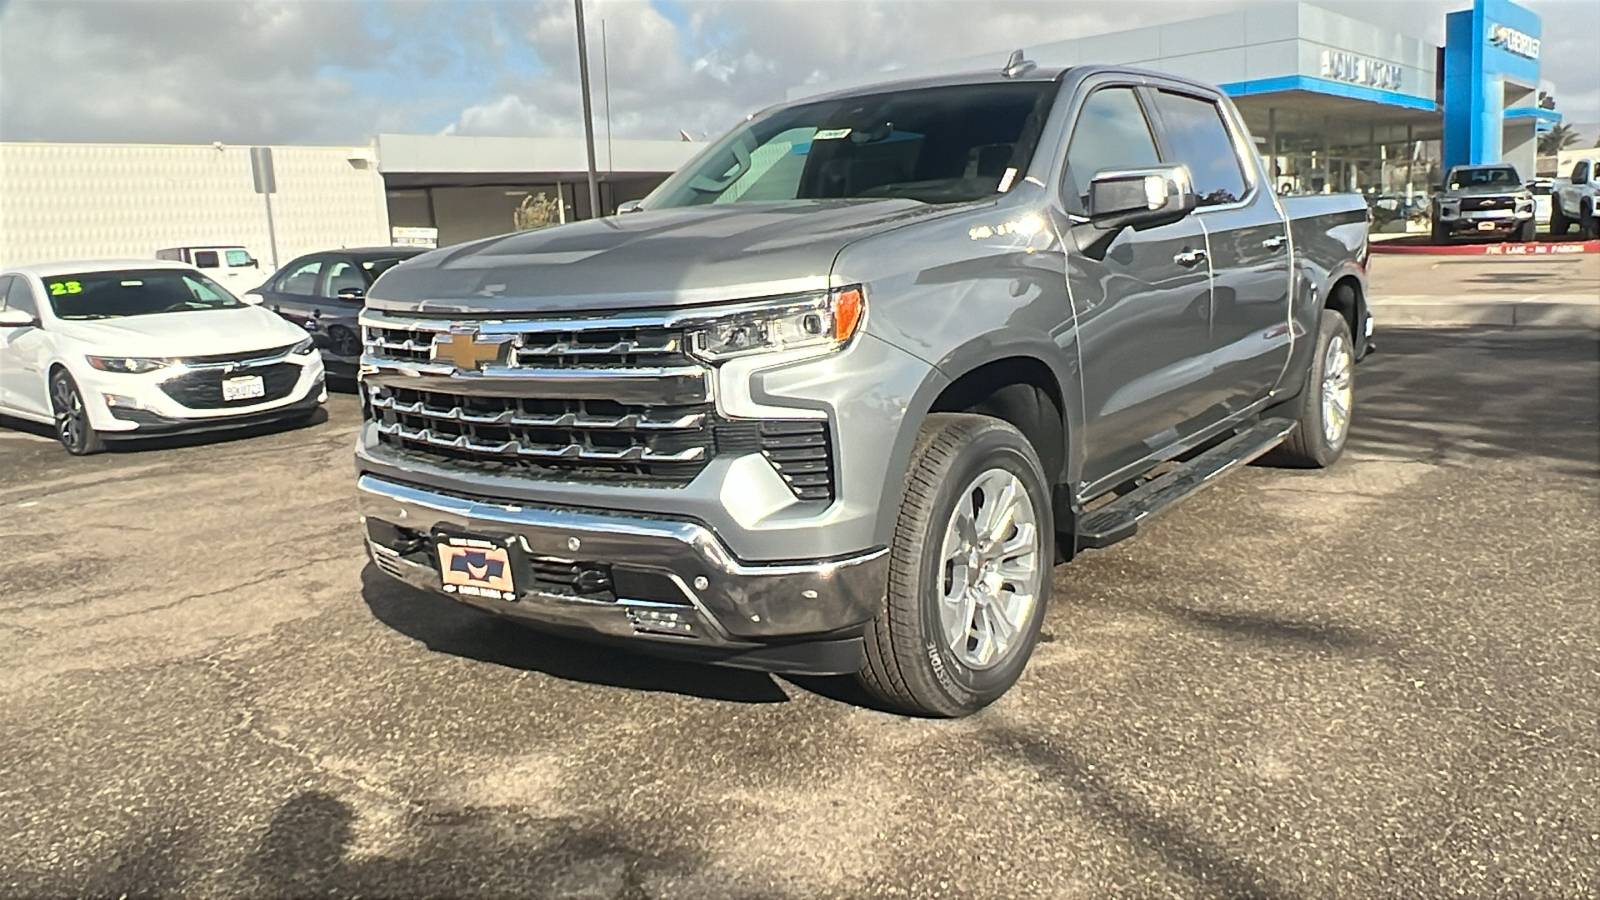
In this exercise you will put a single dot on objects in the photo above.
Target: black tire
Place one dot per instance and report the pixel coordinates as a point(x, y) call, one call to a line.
point(1558, 219)
point(1588, 226)
point(71, 418)
point(1441, 234)
point(1309, 445)
point(1528, 232)
point(911, 664)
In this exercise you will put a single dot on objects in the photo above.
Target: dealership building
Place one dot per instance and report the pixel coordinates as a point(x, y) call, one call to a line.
point(1335, 103)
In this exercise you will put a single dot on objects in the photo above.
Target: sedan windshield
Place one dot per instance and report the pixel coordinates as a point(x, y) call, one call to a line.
point(938, 145)
point(139, 292)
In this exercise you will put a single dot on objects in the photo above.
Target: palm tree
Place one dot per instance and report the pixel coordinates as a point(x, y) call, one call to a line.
point(1557, 139)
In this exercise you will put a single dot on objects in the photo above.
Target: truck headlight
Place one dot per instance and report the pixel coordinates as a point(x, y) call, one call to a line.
point(1449, 207)
point(128, 365)
point(825, 321)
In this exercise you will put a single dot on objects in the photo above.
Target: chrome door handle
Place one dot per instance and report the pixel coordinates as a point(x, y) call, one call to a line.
point(1190, 258)
point(1273, 243)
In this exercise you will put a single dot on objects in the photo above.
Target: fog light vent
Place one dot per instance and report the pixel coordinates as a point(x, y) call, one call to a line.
point(661, 621)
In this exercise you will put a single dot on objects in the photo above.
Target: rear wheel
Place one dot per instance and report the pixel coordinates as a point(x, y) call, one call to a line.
point(1323, 413)
point(969, 573)
point(1588, 225)
point(1527, 232)
point(72, 418)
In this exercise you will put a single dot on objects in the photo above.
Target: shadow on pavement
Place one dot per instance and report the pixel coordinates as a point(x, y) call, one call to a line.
point(1431, 395)
point(446, 626)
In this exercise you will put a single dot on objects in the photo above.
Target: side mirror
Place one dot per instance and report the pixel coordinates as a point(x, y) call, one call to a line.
point(1134, 198)
point(16, 318)
point(254, 262)
point(632, 206)
point(253, 299)
point(353, 294)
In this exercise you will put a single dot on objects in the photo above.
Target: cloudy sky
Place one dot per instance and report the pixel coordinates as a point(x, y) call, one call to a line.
point(338, 71)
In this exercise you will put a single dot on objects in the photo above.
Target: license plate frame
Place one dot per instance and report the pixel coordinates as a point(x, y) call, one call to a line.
point(1488, 226)
point(476, 567)
point(243, 387)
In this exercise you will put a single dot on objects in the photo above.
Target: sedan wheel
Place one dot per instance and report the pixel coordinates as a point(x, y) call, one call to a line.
point(72, 418)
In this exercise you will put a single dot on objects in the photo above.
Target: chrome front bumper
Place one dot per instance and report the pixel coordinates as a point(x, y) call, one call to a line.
point(708, 598)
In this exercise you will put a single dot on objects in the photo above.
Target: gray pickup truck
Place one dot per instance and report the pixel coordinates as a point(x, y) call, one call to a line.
point(843, 391)
point(1484, 202)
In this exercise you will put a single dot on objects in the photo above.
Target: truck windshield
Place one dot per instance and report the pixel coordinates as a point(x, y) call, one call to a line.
point(1503, 176)
point(140, 292)
point(937, 145)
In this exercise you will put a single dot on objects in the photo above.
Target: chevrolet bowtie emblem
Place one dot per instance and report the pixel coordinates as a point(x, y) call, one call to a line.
point(467, 350)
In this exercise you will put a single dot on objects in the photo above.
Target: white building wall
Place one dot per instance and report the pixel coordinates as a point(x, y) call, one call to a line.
point(110, 201)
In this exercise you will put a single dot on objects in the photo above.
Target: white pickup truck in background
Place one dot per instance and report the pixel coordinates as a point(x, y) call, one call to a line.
point(1573, 200)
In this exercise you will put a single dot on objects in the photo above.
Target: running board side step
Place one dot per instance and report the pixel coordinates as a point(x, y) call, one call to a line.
point(1119, 519)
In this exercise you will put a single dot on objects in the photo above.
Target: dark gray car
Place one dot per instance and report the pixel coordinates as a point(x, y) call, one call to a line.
point(323, 293)
point(843, 391)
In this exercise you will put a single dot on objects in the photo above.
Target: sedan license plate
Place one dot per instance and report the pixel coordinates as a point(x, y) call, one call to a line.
point(1487, 226)
point(476, 567)
point(244, 387)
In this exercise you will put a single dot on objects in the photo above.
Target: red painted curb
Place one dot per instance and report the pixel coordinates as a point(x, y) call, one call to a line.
point(1539, 248)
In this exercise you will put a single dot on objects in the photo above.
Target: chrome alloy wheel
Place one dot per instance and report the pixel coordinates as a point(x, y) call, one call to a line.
point(990, 569)
point(72, 420)
point(1336, 392)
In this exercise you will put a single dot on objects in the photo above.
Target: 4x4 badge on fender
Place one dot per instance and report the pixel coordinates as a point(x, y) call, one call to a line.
point(468, 351)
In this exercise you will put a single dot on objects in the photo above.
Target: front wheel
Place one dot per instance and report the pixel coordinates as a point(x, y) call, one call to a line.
point(969, 570)
point(1323, 413)
point(1558, 219)
point(72, 418)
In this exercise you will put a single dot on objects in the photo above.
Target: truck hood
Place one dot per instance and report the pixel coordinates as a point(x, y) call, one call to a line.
point(1490, 189)
point(652, 259)
point(192, 333)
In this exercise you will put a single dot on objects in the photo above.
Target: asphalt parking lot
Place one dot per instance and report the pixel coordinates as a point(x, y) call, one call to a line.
point(1382, 680)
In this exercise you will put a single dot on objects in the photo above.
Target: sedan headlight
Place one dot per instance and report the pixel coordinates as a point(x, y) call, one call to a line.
point(824, 321)
point(128, 365)
point(304, 348)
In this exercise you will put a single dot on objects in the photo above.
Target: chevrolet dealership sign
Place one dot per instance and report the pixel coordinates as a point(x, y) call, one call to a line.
point(1513, 41)
point(1361, 70)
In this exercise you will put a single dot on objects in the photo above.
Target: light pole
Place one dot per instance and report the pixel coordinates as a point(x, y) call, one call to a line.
point(588, 113)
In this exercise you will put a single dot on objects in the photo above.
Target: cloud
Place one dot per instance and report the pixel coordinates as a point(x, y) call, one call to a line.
point(340, 70)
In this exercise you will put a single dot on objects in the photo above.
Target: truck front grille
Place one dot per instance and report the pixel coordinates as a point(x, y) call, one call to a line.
point(592, 348)
point(598, 400)
point(553, 437)
point(1471, 204)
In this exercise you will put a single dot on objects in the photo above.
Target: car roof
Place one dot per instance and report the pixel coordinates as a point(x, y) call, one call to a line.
point(367, 251)
point(85, 267)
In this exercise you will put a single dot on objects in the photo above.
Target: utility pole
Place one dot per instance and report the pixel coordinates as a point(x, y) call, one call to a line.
point(588, 113)
point(605, 88)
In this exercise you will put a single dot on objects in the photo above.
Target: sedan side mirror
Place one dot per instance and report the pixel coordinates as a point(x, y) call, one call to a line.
point(1134, 198)
point(253, 299)
point(353, 294)
point(631, 206)
point(16, 318)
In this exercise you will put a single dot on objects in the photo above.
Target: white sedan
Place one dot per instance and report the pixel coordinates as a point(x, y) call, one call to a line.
point(127, 349)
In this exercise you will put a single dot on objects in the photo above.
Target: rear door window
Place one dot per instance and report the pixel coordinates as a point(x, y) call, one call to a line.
point(301, 278)
point(206, 259)
point(1197, 136)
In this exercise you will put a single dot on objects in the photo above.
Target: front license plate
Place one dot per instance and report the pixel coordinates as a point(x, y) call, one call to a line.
point(245, 387)
point(1487, 226)
point(476, 567)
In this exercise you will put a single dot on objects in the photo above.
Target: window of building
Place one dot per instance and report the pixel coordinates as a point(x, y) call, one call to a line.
point(1111, 133)
point(1198, 138)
